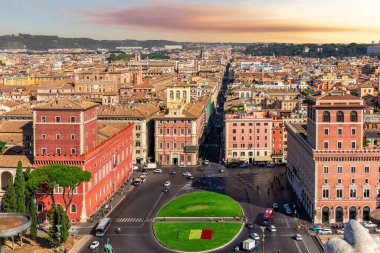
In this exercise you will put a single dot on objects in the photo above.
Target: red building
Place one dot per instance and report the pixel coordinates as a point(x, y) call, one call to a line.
point(278, 133)
point(67, 132)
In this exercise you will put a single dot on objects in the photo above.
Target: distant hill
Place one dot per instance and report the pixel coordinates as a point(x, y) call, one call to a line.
point(44, 42)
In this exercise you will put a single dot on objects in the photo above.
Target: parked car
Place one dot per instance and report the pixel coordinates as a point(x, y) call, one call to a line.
point(190, 177)
point(243, 165)
point(272, 228)
point(221, 171)
point(135, 167)
point(271, 165)
point(297, 237)
point(286, 206)
point(288, 211)
point(173, 172)
point(206, 162)
point(94, 245)
point(182, 165)
point(324, 231)
point(340, 231)
point(275, 206)
point(377, 230)
point(250, 224)
point(255, 236)
point(370, 224)
point(186, 173)
point(167, 184)
point(157, 171)
point(166, 189)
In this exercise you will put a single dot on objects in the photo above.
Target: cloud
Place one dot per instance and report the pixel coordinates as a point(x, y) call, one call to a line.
point(202, 18)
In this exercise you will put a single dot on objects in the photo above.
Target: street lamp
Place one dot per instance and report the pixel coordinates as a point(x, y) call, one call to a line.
point(263, 236)
point(58, 226)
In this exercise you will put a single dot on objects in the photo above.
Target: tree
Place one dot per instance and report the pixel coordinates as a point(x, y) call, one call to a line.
point(57, 216)
point(9, 201)
point(2, 146)
point(20, 188)
point(32, 211)
point(53, 175)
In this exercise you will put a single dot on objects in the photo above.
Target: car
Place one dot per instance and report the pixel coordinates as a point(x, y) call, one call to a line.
point(271, 165)
point(297, 237)
point(272, 228)
point(250, 224)
point(324, 231)
point(377, 230)
point(286, 206)
point(370, 224)
point(186, 174)
point(182, 165)
point(94, 245)
point(340, 231)
point(221, 171)
point(275, 206)
point(288, 211)
point(173, 172)
point(243, 165)
point(135, 167)
point(206, 162)
point(166, 189)
point(157, 171)
point(255, 236)
point(190, 177)
point(167, 184)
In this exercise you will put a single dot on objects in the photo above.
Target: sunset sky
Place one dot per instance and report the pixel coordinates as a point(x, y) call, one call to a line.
point(186, 20)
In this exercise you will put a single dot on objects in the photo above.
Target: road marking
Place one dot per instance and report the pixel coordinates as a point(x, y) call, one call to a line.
point(297, 246)
point(305, 246)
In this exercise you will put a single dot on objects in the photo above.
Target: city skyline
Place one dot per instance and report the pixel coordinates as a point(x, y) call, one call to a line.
point(212, 21)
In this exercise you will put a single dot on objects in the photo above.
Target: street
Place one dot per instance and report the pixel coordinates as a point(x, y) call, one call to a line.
point(135, 214)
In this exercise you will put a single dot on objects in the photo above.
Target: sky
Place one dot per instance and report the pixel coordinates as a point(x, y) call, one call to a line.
point(293, 21)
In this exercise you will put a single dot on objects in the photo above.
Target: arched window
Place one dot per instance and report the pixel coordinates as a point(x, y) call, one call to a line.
point(340, 116)
point(353, 116)
point(184, 94)
point(326, 116)
point(73, 208)
point(171, 95)
point(40, 207)
point(177, 94)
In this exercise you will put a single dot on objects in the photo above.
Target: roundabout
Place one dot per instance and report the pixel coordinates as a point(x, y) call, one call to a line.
point(198, 222)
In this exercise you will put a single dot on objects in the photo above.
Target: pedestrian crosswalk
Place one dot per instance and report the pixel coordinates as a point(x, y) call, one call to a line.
point(283, 220)
point(134, 220)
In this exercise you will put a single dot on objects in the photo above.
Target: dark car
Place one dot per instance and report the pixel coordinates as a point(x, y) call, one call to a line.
point(190, 177)
point(250, 225)
point(173, 172)
point(166, 189)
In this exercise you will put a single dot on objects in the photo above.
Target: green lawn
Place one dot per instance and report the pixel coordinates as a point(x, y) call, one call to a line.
point(201, 204)
point(175, 235)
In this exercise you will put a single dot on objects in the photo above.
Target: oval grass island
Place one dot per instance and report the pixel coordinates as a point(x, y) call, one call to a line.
point(188, 223)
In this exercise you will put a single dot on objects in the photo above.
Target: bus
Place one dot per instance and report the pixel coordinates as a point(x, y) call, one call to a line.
point(103, 226)
point(268, 217)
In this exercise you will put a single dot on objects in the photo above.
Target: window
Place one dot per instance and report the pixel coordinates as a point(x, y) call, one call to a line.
point(339, 193)
point(73, 151)
point(73, 208)
point(167, 145)
point(234, 124)
point(339, 180)
point(326, 144)
point(242, 145)
point(234, 131)
point(340, 131)
point(138, 127)
point(339, 169)
point(353, 116)
point(40, 207)
point(234, 145)
point(325, 193)
point(353, 169)
point(234, 138)
point(72, 136)
point(167, 131)
point(242, 131)
point(340, 116)
point(366, 169)
point(43, 136)
point(325, 169)
point(339, 144)
point(43, 151)
point(326, 116)
point(258, 131)
point(58, 151)
point(353, 144)
point(177, 94)
point(58, 189)
point(57, 119)
point(171, 94)
point(352, 193)
point(353, 131)
point(57, 136)
point(366, 181)
point(72, 119)
point(326, 131)
point(43, 119)
point(366, 193)
point(326, 181)
point(352, 180)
